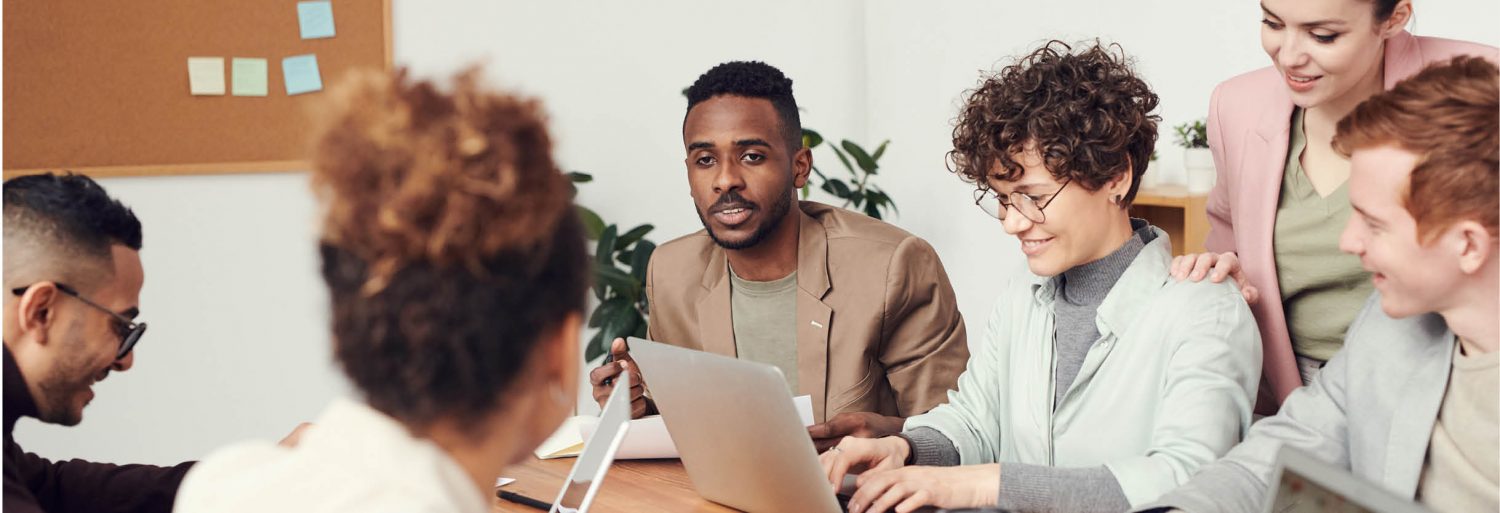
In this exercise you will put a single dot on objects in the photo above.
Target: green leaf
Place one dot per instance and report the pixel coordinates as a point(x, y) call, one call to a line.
point(856, 199)
point(605, 250)
point(836, 187)
point(619, 323)
point(577, 177)
point(640, 330)
point(632, 236)
point(819, 173)
point(593, 225)
point(811, 138)
point(872, 210)
point(845, 160)
point(596, 347)
point(865, 162)
point(881, 150)
point(619, 282)
point(806, 189)
point(640, 259)
point(623, 257)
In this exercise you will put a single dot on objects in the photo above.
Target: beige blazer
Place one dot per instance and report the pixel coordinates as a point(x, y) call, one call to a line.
point(878, 328)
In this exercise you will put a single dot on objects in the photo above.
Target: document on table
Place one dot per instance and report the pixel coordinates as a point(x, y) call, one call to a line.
point(565, 442)
point(648, 438)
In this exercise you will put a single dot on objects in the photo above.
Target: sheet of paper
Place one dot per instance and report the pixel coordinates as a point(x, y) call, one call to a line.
point(301, 74)
point(503, 481)
point(804, 408)
point(206, 75)
point(647, 438)
point(249, 77)
point(565, 442)
point(315, 19)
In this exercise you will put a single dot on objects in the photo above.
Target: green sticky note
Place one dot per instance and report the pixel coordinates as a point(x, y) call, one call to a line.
point(249, 77)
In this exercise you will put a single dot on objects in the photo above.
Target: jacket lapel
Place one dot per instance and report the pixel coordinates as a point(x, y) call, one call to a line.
point(715, 321)
point(1403, 58)
point(814, 318)
point(1411, 430)
point(1265, 165)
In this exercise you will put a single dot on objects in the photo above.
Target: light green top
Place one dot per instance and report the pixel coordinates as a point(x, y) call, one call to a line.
point(765, 322)
point(1322, 288)
point(1167, 388)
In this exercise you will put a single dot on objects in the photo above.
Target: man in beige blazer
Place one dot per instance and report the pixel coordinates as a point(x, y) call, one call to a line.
point(857, 313)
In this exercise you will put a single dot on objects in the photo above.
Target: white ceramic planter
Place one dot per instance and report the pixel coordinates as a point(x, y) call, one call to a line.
point(1199, 165)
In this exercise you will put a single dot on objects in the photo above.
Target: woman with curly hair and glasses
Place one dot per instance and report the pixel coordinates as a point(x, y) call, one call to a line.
point(1100, 382)
point(456, 273)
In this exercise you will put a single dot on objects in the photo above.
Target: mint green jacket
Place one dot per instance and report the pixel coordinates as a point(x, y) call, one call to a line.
point(1168, 387)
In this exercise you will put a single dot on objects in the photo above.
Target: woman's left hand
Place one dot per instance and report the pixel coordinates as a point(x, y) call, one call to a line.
point(905, 489)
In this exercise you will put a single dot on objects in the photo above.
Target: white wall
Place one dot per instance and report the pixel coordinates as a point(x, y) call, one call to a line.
point(238, 345)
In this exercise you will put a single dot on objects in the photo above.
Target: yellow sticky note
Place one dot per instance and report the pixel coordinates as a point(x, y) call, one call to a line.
point(206, 75)
point(249, 76)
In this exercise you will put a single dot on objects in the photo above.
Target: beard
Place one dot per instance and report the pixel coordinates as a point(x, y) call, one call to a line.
point(67, 382)
point(778, 211)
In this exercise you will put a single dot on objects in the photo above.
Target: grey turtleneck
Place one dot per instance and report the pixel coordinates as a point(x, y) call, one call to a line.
point(1025, 487)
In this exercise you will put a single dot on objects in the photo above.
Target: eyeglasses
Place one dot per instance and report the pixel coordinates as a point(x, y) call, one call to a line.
point(1029, 205)
point(128, 330)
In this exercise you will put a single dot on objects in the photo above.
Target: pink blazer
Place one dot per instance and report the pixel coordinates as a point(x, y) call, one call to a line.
point(1249, 121)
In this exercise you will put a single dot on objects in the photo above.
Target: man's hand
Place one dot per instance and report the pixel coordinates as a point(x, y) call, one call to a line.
point(609, 371)
point(905, 489)
point(296, 435)
point(855, 424)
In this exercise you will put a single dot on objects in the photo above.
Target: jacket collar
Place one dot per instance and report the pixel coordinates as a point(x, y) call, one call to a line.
point(812, 258)
point(716, 321)
point(18, 400)
point(1141, 281)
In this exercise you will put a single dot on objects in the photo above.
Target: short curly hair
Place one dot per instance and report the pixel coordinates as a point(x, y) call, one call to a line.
point(450, 243)
point(751, 79)
point(1087, 113)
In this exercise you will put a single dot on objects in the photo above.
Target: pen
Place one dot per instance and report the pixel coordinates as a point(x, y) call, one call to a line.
point(523, 500)
point(608, 359)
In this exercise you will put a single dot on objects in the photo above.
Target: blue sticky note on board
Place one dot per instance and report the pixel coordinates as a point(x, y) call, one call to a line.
point(315, 19)
point(301, 74)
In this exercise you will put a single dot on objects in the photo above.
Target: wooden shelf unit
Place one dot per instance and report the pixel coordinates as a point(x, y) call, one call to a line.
point(1181, 214)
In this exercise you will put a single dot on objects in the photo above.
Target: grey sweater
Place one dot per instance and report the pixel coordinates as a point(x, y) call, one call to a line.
point(1026, 487)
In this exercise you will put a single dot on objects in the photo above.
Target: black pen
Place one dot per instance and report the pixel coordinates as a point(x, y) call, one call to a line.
point(523, 500)
point(608, 359)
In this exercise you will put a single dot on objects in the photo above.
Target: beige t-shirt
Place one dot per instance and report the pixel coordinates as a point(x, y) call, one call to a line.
point(1462, 472)
point(764, 314)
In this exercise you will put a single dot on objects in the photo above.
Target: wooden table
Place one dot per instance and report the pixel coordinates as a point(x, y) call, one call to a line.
point(635, 485)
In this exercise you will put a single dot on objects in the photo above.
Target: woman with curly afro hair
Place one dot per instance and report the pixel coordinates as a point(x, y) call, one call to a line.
point(456, 273)
point(1100, 382)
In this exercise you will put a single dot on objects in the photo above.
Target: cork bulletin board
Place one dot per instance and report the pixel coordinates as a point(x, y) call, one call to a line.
point(102, 87)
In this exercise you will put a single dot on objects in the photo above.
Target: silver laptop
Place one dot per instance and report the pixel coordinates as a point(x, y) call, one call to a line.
point(598, 452)
point(1302, 483)
point(736, 428)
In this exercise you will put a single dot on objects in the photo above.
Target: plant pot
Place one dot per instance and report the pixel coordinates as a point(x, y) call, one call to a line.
point(1199, 166)
point(1151, 179)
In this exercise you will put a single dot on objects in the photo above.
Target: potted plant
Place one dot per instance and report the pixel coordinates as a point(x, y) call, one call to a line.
point(1197, 161)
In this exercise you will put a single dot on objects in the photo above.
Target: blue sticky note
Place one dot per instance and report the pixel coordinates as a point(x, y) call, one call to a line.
point(315, 19)
point(301, 74)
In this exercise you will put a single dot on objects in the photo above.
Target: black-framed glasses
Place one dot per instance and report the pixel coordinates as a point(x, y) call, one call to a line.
point(1027, 204)
point(128, 330)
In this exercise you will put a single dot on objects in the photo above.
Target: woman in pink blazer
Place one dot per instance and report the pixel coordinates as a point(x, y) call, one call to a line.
point(1328, 56)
